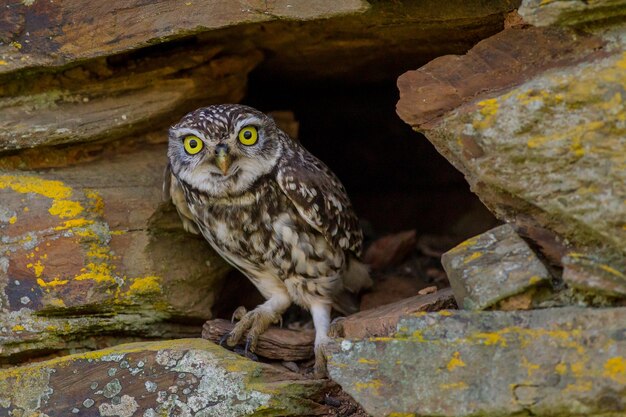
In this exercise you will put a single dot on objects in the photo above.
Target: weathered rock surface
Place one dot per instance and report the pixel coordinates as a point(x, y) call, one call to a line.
point(591, 274)
point(571, 12)
point(491, 267)
point(90, 250)
point(37, 33)
point(104, 99)
point(534, 118)
point(551, 362)
point(184, 377)
point(76, 73)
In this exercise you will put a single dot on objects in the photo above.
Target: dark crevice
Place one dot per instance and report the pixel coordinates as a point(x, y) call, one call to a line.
point(396, 179)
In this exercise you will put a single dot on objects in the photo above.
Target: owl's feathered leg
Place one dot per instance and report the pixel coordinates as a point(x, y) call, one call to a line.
point(321, 319)
point(258, 320)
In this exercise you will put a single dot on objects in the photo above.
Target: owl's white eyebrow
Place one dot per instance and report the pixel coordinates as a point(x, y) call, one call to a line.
point(185, 131)
point(252, 120)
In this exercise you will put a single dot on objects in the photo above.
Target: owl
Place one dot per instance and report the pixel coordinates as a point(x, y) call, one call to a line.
point(273, 211)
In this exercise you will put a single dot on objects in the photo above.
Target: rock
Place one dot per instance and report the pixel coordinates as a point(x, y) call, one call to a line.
point(569, 361)
point(43, 34)
point(302, 38)
point(106, 99)
point(570, 12)
point(534, 119)
point(75, 73)
point(182, 377)
point(590, 274)
point(382, 321)
point(491, 267)
point(390, 249)
point(82, 253)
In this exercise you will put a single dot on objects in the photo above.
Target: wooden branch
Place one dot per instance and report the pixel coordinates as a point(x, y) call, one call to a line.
point(275, 343)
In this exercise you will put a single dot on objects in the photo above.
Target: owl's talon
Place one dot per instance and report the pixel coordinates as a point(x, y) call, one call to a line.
point(247, 354)
point(254, 322)
point(250, 347)
point(223, 338)
point(336, 327)
point(238, 314)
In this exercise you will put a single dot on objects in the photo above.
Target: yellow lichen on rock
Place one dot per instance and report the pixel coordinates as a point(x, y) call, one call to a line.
point(455, 362)
point(615, 368)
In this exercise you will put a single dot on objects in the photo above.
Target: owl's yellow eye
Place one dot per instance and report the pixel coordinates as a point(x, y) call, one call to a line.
point(192, 145)
point(248, 135)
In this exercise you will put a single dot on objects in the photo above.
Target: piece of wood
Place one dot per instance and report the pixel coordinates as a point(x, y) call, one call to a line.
point(382, 321)
point(274, 343)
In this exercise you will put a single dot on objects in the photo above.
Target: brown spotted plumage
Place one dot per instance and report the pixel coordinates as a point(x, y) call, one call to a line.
point(272, 210)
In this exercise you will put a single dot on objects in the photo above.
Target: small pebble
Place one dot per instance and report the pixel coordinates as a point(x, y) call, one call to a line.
point(292, 366)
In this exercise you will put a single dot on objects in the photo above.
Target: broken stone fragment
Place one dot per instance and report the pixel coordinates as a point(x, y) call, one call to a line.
point(565, 361)
point(382, 321)
point(90, 250)
point(180, 377)
point(491, 267)
point(590, 273)
point(390, 250)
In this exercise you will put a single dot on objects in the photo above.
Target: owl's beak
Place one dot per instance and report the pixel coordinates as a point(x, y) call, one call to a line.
point(222, 158)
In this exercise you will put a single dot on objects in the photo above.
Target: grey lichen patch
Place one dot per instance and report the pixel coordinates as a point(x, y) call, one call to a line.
point(126, 407)
point(228, 397)
point(112, 388)
point(189, 377)
point(27, 391)
point(168, 358)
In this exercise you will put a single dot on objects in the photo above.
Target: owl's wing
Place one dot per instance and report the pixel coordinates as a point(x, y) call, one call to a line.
point(172, 190)
point(320, 198)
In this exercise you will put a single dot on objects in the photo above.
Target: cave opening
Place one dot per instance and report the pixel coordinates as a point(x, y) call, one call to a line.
point(396, 179)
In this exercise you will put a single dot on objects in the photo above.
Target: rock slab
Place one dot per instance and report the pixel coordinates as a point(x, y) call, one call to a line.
point(77, 263)
point(491, 267)
point(187, 377)
point(534, 118)
point(552, 362)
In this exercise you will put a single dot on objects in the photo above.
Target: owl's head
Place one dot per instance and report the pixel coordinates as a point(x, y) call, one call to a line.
point(222, 150)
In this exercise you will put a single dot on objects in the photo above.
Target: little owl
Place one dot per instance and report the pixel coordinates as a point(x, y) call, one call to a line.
point(272, 210)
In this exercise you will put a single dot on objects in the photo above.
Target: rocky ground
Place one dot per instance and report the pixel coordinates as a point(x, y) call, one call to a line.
point(109, 308)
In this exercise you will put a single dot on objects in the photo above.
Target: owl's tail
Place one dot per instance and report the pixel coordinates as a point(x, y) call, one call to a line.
point(356, 279)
